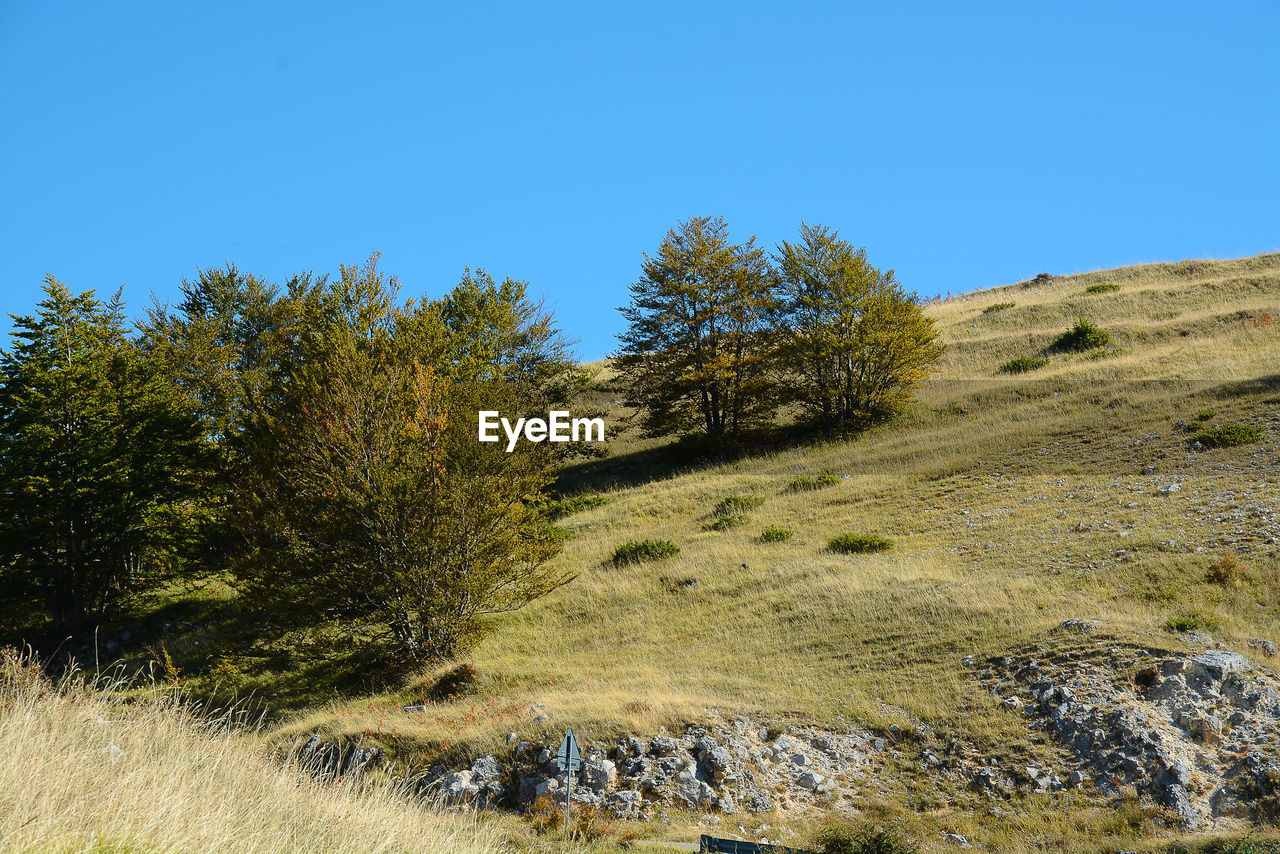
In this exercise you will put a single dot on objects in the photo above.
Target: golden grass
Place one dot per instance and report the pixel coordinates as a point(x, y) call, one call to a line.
point(86, 771)
point(981, 485)
point(978, 485)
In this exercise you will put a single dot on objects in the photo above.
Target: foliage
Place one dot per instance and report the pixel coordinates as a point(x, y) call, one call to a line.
point(369, 514)
point(1191, 621)
point(545, 815)
point(99, 451)
point(455, 682)
point(1226, 570)
point(772, 534)
point(857, 344)
point(1249, 844)
point(697, 347)
point(558, 508)
point(808, 483)
point(1081, 337)
point(220, 344)
point(1229, 435)
point(999, 306)
point(725, 521)
point(636, 551)
point(1104, 288)
point(1206, 414)
point(859, 543)
point(738, 504)
point(841, 836)
point(1023, 364)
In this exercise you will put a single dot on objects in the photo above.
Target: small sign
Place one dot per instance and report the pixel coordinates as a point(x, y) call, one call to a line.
point(568, 757)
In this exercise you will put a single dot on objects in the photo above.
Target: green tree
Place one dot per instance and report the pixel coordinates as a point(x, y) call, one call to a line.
point(497, 333)
point(220, 343)
point(858, 344)
point(372, 516)
point(222, 340)
point(697, 347)
point(98, 451)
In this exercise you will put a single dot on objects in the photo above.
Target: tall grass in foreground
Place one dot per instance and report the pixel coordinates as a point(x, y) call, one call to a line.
point(85, 770)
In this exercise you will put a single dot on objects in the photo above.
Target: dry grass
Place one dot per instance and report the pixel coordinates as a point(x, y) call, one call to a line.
point(86, 771)
point(979, 487)
point(1014, 502)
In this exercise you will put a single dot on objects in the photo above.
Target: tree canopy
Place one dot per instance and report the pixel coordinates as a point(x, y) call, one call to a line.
point(99, 449)
point(856, 343)
point(696, 351)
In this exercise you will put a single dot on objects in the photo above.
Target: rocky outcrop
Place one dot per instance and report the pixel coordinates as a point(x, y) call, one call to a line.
point(328, 759)
point(727, 767)
point(1198, 733)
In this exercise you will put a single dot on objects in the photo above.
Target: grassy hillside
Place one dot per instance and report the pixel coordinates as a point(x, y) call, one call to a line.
point(85, 771)
point(1014, 502)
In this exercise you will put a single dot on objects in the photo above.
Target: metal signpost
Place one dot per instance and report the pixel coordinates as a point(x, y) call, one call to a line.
point(569, 758)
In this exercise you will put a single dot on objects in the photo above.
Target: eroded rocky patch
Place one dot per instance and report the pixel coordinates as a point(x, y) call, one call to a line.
point(721, 766)
point(1197, 732)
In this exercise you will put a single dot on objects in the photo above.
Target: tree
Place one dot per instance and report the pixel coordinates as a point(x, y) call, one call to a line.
point(497, 333)
point(222, 339)
point(371, 515)
point(697, 346)
point(858, 344)
point(98, 450)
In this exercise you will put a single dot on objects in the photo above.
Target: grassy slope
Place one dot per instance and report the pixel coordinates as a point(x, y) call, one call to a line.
point(979, 485)
point(88, 771)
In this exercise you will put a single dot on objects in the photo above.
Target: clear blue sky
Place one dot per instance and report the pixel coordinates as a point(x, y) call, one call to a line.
point(965, 144)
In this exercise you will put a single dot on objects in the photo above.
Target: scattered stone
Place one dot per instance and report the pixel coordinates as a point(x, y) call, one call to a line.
point(598, 773)
point(811, 780)
point(1267, 647)
point(486, 768)
point(1169, 489)
point(1217, 664)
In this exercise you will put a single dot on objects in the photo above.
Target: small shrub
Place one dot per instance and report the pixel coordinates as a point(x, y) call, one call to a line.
point(595, 825)
point(736, 504)
point(556, 533)
point(635, 551)
point(1191, 621)
point(559, 508)
point(1022, 364)
point(859, 543)
point(1245, 845)
point(454, 683)
point(545, 815)
point(1226, 570)
point(1206, 414)
point(1081, 337)
point(1105, 288)
point(805, 483)
point(1229, 435)
point(1000, 306)
point(774, 730)
point(846, 837)
point(725, 522)
point(775, 535)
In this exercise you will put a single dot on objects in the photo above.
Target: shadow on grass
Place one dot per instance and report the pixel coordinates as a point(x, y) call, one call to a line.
point(686, 455)
point(214, 648)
